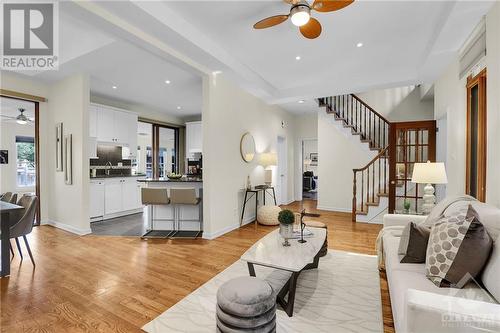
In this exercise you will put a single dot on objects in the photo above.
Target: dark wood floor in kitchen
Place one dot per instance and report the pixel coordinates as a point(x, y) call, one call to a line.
point(118, 284)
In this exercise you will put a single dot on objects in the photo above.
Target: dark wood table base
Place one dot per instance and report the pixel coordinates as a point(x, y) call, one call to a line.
point(290, 286)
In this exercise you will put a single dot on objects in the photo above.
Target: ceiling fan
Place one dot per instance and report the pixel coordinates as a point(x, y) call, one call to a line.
point(300, 15)
point(21, 119)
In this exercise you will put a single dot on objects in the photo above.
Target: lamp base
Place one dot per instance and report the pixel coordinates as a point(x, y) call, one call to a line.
point(429, 199)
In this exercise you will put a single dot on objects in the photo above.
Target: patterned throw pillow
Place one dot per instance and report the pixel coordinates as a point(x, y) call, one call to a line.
point(458, 249)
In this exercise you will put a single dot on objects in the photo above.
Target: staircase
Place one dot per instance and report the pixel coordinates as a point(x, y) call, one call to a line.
point(370, 182)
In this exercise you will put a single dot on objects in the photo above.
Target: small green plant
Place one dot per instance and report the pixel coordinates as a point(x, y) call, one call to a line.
point(286, 217)
point(407, 204)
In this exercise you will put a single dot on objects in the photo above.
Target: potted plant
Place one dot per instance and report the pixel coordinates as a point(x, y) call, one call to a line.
point(407, 205)
point(286, 218)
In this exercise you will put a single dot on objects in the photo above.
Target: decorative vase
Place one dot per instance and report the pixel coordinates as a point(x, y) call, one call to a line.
point(406, 206)
point(286, 231)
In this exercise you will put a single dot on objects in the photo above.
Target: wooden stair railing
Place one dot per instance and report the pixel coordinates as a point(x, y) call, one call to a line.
point(376, 174)
point(373, 128)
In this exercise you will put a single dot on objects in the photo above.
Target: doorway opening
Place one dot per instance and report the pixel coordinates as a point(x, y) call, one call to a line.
point(282, 172)
point(475, 181)
point(19, 148)
point(310, 169)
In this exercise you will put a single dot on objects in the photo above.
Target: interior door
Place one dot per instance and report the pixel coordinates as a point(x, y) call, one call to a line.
point(409, 143)
point(282, 172)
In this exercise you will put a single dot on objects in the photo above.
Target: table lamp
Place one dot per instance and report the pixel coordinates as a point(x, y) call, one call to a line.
point(267, 160)
point(307, 163)
point(429, 173)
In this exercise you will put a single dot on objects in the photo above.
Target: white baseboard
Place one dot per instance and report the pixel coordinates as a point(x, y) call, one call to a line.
point(334, 209)
point(227, 229)
point(67, 227)
point(289, 202)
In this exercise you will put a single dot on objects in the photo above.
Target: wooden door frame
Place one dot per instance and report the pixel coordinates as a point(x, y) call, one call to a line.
point(35, 100)
point(480, 81)
point(431, 153)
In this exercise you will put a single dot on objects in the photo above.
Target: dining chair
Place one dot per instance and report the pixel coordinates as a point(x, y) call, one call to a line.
point(24, 224)
point(6, 197)
point(13, 199)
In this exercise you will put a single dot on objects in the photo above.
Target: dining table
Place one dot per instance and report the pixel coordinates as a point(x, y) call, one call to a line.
point(6, 210)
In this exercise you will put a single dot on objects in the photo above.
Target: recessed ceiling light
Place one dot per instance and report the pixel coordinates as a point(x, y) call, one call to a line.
point(167, 81)
point(301, 101)
point(297, 58)
point(178, 108)
point(359, 44)
point(114, 87)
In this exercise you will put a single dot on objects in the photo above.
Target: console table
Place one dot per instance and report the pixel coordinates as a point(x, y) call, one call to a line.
point(255, 192)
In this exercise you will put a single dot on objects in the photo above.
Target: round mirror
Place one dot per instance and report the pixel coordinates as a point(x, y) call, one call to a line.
point(247, 147)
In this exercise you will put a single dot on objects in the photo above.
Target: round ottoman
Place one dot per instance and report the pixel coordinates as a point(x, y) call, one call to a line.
point(317, 224)
point(268, 215)
point(246, 304)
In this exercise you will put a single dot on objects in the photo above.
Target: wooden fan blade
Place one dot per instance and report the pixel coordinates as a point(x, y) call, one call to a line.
point(330, 5)
point(270, 21)
point(311, 29)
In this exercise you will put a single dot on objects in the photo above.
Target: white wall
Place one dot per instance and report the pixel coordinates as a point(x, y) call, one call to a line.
point(400, 104)
point(8, 172)
point(69, 204)
point(339, 153)
point(63, 205)
point(493, 105)
point(229, 112)
point(450, 97)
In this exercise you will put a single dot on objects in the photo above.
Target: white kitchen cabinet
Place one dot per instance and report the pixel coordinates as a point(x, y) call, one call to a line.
point(92, 147)
point(113, 196)
point(194, 138)
point(93, 109)
point(96, 199)
point(129, 194)
point(105, 125)
point(115, 126)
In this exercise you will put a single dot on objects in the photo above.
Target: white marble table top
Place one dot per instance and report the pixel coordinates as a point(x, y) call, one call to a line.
point(269, 251)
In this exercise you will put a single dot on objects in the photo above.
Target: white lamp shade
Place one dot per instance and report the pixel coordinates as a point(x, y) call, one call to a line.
point(429, 173)
point(268, 159)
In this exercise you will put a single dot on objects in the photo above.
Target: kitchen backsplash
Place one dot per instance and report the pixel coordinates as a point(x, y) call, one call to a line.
point(111, 154)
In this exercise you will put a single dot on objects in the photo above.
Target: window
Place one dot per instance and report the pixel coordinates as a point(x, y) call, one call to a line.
point(26, 170)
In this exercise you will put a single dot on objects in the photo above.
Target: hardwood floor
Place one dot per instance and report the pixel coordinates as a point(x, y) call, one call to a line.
point(117, 284)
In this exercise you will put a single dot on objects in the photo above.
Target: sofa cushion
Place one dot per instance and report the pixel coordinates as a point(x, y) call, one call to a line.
point(392, 262)
point(491, 273)
point(400, 281)
point(459, 247)
point(413, 244)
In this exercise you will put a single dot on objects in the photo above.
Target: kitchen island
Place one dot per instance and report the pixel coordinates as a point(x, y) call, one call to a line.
point(161, 217)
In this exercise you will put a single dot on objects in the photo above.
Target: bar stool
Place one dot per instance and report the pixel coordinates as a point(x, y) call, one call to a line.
point(185, 196)
point(150, 197)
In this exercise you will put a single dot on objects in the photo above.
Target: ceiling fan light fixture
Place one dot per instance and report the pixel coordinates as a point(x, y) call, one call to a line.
point(300, 15)
point(21, 122)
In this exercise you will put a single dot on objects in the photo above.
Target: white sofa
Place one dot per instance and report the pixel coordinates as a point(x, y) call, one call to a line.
point(418, 306)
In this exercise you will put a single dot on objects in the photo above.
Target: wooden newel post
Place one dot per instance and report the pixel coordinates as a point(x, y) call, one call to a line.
point(354, 203)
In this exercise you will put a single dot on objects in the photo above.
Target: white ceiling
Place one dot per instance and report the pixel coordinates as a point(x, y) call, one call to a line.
point(139, 44)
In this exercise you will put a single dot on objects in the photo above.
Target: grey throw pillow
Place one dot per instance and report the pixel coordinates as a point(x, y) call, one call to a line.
point(413, 244)
point(459, 247)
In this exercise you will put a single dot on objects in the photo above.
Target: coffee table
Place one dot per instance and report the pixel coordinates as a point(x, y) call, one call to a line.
point(297, 257)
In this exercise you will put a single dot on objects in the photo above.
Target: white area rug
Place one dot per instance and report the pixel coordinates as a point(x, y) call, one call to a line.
point(342, 295)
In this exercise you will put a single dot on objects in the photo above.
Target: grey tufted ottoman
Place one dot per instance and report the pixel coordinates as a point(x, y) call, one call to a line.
point(246, 304)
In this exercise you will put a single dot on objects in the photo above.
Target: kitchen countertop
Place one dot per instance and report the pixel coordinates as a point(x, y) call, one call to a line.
point(118, 176)
point(166, 180)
